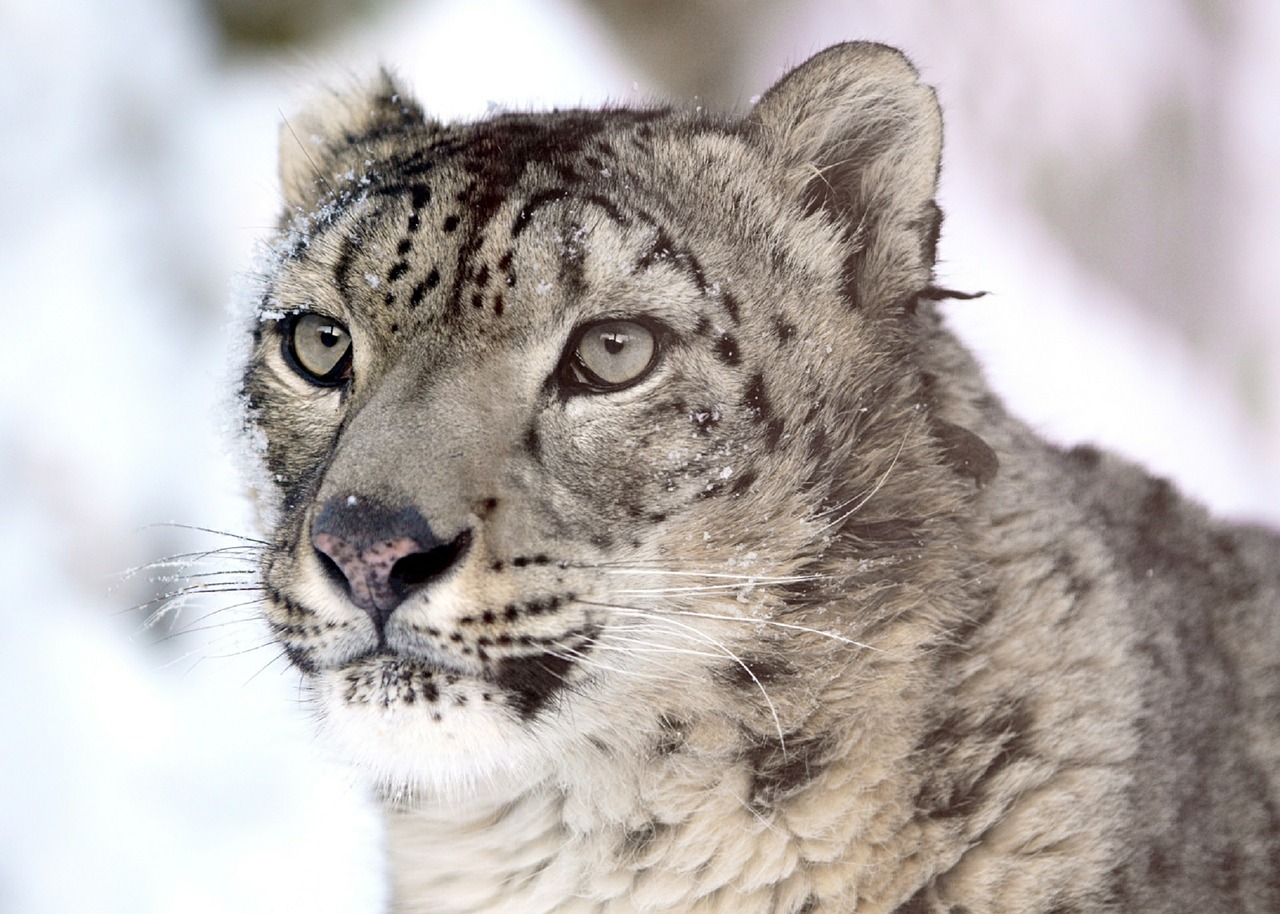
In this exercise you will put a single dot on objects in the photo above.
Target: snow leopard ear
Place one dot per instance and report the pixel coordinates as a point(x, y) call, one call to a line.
point(330, 142)
point(860, 137)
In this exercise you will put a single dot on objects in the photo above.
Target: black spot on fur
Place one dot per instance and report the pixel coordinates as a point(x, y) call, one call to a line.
point(422, 288)
point(726, 349)
point(743, 482)
point(533, 442)
point(756, 670)
point(504, 266)
point(531, 682)
point(966, 453)
point(783, 330)
point(450, 223)
point(346, 258)
point(300, 658)
point(773, 434)
point(756, 398)
point(404, 247)
point(967, 753)
point(397, 270)
point(731, 305)
point(695, 271)
point(780, 768)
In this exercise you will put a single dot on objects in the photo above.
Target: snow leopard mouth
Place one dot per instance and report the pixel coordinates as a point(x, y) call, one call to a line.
point(525, 683)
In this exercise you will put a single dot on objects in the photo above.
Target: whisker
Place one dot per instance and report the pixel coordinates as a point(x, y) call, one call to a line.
point(775, 624)
point(719, 646)
point(578, 656)
point(197, 627)
point(280, 655)
point(175, 525)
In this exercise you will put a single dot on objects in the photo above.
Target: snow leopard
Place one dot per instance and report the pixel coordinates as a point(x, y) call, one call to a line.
point(640, 530)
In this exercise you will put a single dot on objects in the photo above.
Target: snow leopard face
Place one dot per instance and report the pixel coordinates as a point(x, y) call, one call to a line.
point(573, 422)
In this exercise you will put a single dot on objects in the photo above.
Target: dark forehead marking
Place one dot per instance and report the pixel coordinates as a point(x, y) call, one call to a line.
point(500, 152)
point(497, 153)
point(536, 202)
point(665, 250)
point(554, 195)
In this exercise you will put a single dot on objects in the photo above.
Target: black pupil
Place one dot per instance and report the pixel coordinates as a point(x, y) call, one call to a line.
point(329, 336)
point(614, 342)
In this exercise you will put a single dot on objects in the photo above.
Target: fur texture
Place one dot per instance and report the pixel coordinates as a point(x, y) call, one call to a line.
point(639, 528)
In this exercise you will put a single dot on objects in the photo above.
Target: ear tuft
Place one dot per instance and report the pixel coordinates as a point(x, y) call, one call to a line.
point(859, 137)
point(333, 135)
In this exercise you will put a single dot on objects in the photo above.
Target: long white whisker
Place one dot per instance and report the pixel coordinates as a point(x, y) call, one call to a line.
point(720, 647)
point(874, 489)
point(721, 575)
point(174, 525)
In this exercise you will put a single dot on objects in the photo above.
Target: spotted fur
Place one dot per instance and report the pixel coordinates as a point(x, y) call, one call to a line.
point(794, 618)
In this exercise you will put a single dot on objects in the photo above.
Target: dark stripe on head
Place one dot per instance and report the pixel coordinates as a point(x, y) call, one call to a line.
point(535, 203)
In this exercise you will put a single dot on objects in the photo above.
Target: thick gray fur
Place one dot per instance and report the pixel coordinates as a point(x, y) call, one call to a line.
point(798, 619)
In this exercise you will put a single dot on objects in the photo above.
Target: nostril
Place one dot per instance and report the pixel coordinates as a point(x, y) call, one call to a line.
point(379, 554)
point(419, 568)
point(331, 568)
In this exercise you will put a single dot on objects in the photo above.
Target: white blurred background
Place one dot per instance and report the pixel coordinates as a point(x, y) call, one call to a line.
point(1110, 179)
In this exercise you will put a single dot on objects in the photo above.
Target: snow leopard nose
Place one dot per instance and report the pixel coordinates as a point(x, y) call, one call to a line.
point(381, 554)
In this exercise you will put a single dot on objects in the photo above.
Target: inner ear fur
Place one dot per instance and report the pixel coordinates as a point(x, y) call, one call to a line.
point(860, 138)
point(331, 137)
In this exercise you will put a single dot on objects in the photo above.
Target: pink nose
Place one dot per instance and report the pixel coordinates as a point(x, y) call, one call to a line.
point(381, 554)
point(368, 570)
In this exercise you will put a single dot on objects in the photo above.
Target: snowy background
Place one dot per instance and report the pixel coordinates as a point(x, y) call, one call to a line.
point(1110, 179)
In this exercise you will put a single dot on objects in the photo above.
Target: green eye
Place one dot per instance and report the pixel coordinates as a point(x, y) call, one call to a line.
point(610, 355)
point(318, 348)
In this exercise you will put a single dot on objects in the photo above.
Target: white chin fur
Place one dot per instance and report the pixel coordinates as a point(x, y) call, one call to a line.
point(443, 748)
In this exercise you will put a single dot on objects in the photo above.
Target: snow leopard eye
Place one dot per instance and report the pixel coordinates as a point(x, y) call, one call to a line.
point(610, 355)
point(318, 348)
